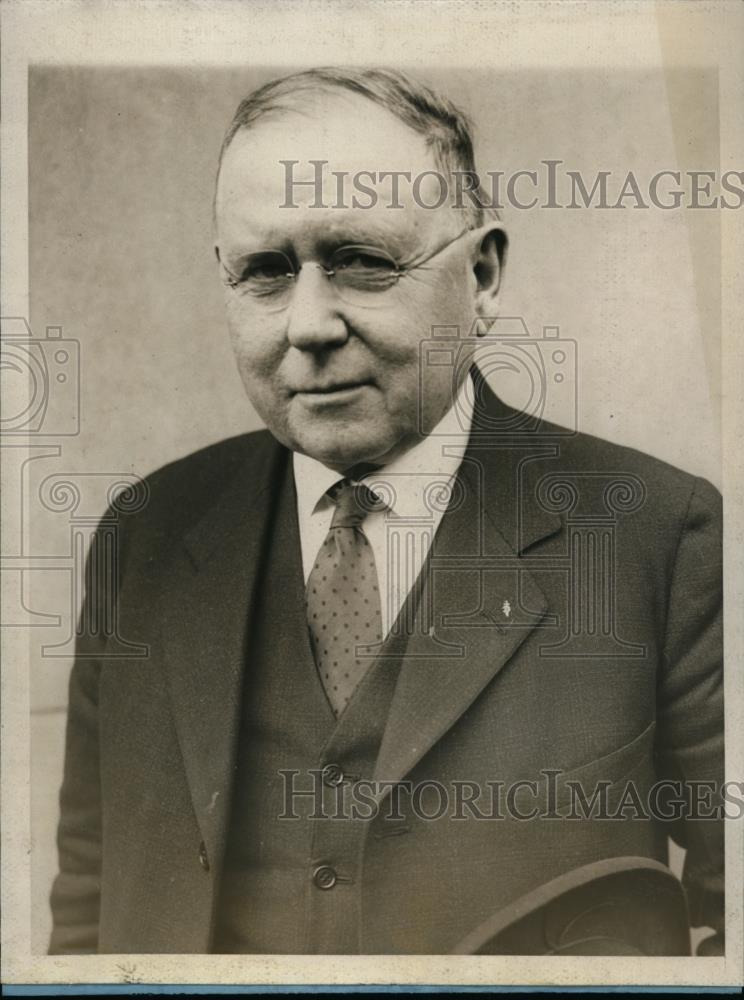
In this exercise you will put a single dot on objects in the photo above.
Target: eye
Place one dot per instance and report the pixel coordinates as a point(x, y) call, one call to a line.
point(363, 259)
point(266, 267)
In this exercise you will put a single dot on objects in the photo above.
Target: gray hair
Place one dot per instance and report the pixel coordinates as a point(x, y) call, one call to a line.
point(446, 129)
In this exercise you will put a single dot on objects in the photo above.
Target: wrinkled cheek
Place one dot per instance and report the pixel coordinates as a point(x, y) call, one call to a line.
point(258, 349)
point(455, 300)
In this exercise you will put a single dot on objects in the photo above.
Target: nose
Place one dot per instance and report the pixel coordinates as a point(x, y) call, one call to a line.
point(314, 317)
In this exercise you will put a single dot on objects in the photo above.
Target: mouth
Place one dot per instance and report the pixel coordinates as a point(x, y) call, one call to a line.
point(332, 390)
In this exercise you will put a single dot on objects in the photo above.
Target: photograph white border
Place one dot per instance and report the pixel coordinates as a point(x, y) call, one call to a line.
point(396, 32)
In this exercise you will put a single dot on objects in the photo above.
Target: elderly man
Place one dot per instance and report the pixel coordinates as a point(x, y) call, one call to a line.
point(415, 657)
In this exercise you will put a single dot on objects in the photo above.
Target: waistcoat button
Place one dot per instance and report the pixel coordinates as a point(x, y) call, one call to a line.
point(332, 774)
point(203, 856)
point(324, 877)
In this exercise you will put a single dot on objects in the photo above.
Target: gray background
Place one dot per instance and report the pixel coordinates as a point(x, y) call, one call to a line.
point(121, 167)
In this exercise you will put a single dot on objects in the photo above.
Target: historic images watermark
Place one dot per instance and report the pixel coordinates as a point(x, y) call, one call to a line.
point(328, 793)
point(41, 379)
point(493, 589)
point(548, 185)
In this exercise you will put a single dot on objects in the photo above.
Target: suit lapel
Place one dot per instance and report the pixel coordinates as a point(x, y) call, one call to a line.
point(457, 647)
point(478, 601)
point(205, 627)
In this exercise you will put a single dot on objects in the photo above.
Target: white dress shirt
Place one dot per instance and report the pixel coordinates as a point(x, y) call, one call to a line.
point(415, 487)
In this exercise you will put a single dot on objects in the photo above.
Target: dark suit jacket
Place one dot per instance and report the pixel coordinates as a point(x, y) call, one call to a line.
point(635, 696)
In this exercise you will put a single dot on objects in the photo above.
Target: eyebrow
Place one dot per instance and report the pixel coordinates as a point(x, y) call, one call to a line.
point(396, 244)
point(366, 232)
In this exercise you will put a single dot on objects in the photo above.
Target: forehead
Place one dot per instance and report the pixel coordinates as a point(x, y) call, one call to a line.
point(353, 137)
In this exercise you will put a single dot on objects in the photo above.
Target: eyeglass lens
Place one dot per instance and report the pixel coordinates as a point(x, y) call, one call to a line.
point(357, 272)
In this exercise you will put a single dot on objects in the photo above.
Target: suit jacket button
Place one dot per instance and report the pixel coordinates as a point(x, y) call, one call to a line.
point(203, 856)
point(324, 877)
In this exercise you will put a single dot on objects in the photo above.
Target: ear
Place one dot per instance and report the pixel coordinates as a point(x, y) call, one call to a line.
point(488, 268)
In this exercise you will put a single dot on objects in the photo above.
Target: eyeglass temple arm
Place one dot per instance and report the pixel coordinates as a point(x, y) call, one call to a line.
point(435, 253)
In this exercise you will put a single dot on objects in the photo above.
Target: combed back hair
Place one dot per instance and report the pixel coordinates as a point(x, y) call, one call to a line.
point(446, 129)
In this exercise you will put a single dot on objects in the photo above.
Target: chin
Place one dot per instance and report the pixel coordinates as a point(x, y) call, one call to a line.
point(343, 453)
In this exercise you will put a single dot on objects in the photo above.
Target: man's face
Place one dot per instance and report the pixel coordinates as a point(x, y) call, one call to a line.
point(337, 381)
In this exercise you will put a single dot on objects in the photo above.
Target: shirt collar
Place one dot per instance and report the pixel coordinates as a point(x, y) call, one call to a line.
point(434, 459)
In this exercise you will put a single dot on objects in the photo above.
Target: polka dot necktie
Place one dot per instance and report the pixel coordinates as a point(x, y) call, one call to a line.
point(343, 599)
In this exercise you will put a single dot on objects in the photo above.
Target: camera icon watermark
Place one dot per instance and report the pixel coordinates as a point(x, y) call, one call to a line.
point(541, 371)
point(41, 381)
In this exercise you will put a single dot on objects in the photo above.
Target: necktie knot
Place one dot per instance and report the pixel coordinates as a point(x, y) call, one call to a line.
point(353, 502)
